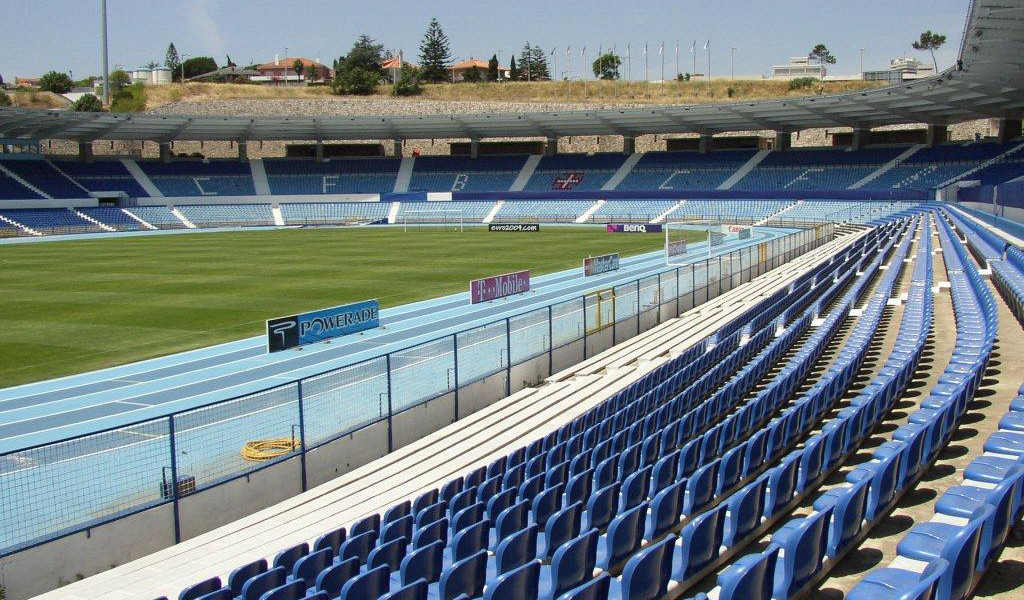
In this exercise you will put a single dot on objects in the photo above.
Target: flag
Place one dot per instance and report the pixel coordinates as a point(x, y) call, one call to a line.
point(707, 45)
point(553, 48)
point(661, 50)
point(568, 49)
point(583, 52)
point(645, 48)
point(693, 48)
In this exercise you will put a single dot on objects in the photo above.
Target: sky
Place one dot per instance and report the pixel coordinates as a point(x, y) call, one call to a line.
point(40, 35)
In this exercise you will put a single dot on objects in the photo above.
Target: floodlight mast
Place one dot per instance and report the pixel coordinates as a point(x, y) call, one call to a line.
point(104, 52)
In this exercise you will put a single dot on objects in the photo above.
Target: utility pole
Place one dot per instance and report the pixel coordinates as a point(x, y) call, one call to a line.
point(862, 62)
point(103, 36)
point(733, 63)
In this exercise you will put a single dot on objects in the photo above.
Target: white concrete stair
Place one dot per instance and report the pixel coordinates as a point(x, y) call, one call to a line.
point(141, 221)
point(393, 212)
point(623, 172)
point(494, 211)
point(19, 225)
point(278, 217)
point(661, 218)
point(887, 167)
point(259, 177)
point(590, 211)
point(102, 226)
point(784, 210)
point(182, 218)
point(17, 178)
point(54, 166)
point(747, 167)
point(404, 175)
point(143, 179)
point(526, 173)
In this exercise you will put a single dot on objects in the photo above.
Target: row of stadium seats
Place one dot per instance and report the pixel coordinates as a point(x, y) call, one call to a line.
point(821, 168)
point(653, 457)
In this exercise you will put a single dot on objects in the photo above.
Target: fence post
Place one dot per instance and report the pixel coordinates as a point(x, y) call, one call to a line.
point(551, 342)
point(508, 356)
point(638, 307)
point(585, 324)
point(679, 291)
point(302, 435)
point(391, 435)
point(174, 479)
point(455, 356)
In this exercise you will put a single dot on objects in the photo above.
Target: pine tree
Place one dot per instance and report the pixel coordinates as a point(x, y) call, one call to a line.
point(539, 64)
point(435, 54)
point(526, 63)
point(513, 70)
point(492, 68)
point(173, 60)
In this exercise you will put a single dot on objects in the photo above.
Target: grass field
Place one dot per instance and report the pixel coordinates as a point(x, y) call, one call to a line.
point(70, 307)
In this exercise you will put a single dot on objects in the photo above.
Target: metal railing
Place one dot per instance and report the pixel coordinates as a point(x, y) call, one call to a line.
point(60, 488)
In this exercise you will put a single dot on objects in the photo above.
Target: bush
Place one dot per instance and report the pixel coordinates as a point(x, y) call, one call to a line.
point(130, 99)
point(58, 83)
point(408, 84)
point(5, 100)
point(87, 103)
point(357, 81)
point(801, 83)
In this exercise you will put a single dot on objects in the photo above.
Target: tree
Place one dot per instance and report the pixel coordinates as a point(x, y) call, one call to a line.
point(473, 74)
point(435, 54)
point(931, 42)
point(1, 81)
point(5, 100)
point(119, 79)
point(408, 83)
point(152, 65)
point(513, 70)
point(312, 74)
point(820, 54)
point(359, 72)
point(198, 65)
point(58, 83)
point(230, 63)
point(298, 67)
point(493, 72)
point(88, 103)
point(172, 60)
point(607, 66)
point(539, 64)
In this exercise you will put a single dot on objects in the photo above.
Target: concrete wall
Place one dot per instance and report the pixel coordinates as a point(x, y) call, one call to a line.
point(649, 318)
point(600, 341)
point(481, 394)
point(530, 373)
point(49, 566)
point(566, 356)
point(347, 453)
point(416, 422)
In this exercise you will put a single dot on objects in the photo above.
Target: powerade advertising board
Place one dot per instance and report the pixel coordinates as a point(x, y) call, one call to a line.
point(521, 227)
point(595, 265)
point(499, 286)
point(633, 228)
point(320, 325)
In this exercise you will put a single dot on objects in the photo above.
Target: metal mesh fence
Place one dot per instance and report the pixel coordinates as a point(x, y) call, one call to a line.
point(344, 400)
point(482, 351)
point(567, 322)
point(422, 372)
point(649, 292)
point(62, 486)
point(669, 287)
point(209, 441)
point(529, 335)
point(625, 301)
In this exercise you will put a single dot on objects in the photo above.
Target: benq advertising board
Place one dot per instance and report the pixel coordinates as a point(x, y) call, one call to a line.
point(633, 228)
point(595, 265)
point(519, 227)
point(317, 326)
point(499, 286)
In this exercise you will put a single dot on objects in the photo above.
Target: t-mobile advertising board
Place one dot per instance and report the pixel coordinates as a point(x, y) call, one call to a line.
point(595, 265)
point(633, 228)
point(499, 286)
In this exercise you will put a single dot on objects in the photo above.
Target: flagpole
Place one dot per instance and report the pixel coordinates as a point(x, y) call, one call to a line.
point(709, 60)
point(662, 53)
point(677, 59)
point(693, 51)
point(647, 76)
point(629, 62)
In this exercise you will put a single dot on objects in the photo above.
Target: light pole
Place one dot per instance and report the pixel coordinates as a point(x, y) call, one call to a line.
point(103, 36)
point(184, 57)
point(862, 62)
point(733, 63)
point(286, 66)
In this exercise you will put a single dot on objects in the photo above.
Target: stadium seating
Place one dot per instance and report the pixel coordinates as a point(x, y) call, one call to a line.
point(52, 220)
point(200, 178)
point(444, 212)
point(333, 213)
point(12, 189)
point(574, 172)
point(810, 169)
point(562, 211)
point(227, 215)
point(102, 176)
point(456, 174)
point(113, 217)
point(684, 170)
point(160, 217)
point(336, 176)
point(42, 175)
point(930, 167)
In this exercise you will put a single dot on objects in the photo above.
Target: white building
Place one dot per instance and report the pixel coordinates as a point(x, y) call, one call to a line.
point(799, 66)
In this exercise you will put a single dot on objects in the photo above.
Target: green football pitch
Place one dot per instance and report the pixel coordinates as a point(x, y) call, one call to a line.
point(70, 307)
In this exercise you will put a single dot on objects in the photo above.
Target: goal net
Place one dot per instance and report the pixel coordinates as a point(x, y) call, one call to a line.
point(449, 218)
point(682, 247)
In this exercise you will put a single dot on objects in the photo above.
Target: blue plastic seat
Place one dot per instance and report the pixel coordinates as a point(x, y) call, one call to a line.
point(625, 535)
point(700, 488)
point(512, 519)
point(514, 551)
point(309, 566)
point(295, 590)
point(288, 557)
point(561, 527)
point(465, 578)
point(399, 528)
point(370, 523)
point(423, 563)
point(958, 545)
point(417, 590)
point(370, 585)
point(521, 583)
point(664, 513)
point(602, 507)
point(221, 594)
point(804, 542)
point(745, 509)
point(436, 531)
point(256, 586)
point(572, 564)
point(430, 513)
point(358, 546)
point(699, 544)
point(883, 477)
point(244, 573)
point(750, 577)
point(595, 589)
point(207, 586)
point(469, 541)
point(965, 500)
point(848, 506)
point(900, 584)
point(333, 578)
point(388, 555)
point(781, 484)
point(646, 576)
point(468, 516)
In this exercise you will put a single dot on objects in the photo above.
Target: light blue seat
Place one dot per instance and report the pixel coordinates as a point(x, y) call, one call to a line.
point(848, 506)
point(646, 575)
point(595, 589)
point(625, 535)
point(749, 578)
point(572, 564)
point(899, 584)
point(370, 585)
point(521, 583)
point(958, 545)
point(333, 578)
point(196, 590)
point(804, 542)
point(699, 544)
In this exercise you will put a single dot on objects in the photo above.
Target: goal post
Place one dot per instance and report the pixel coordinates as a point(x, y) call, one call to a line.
point(449, 218)
point(679, 247)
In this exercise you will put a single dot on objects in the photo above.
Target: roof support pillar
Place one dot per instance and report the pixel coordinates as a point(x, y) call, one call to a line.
point(474, 148)
point(936, 135)
point(628, 144)
point(1009, 129)
point(704, 143)
point(860, 138)
point(783, 140)
point(85, 152)
point(551, 148)
point(397, 150)
point(318, 150)
point(165, 152)
point(243, 151)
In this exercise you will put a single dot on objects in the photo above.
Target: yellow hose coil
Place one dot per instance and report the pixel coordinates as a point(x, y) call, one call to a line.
point(261, 450)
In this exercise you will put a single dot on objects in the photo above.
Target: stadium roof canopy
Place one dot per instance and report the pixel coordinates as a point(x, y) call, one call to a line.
point(987, 81)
